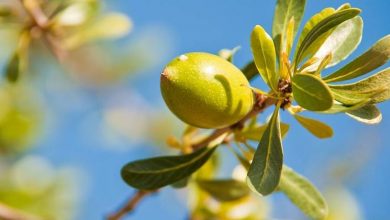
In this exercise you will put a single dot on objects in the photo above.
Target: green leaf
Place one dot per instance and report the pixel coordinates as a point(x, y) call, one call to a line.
point(286, 10)
point(368, 114)
point(255, 133)
point(153, 173)
point(342, 41)
point(13, 68)
point(225, 190)
point(311, 92)
point(265, 170)
point(377, 85)
point(303, 194)
point(313, 21)
point(181, 183)
point(289, 37)
point(340, 108)
point(263, 50)
point(317, 128)
point(323, 27)
point(375, 57)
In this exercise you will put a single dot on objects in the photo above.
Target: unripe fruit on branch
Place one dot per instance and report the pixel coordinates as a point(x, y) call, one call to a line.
point(206, 91)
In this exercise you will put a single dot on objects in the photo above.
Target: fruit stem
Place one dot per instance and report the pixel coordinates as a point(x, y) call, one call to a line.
point(262, 102)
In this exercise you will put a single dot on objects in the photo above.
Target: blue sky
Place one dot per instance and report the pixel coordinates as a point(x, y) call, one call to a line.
point(210, 26)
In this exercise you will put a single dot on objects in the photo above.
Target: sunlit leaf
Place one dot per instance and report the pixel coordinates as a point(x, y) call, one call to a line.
point(352, 98)
point(311, 92)
point(322, 28)
point(310, 25)
point(157, 172)
point(265, 170)
point(255, 133)
point(375, 57)
point(341, 42)
point(225, 189)
point(317, 128)
point(112, 25)
point(344, 6)
point(368, 114)
point(289, 37)
point(378, 85)
point(340, 108)
point(75, 13)
point(263, 50)
point(286, 10)
point(303, 194)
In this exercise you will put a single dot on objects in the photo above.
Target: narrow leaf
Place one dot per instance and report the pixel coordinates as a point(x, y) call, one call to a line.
point(303, 194)
point(157, 172)
point(250, 70)
point(225, 190)
point(286, 10)
point(375, 57)
point(322, 27)
point(256, 132)
point(311, 92)
point(368, 114)
point(378, 83)
point(327, 59)
point(289, 37)
point(265, 170)
point(263, 50)
point(317, 128)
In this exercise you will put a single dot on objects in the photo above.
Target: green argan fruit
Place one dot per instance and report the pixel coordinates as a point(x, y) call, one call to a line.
point(206, 91)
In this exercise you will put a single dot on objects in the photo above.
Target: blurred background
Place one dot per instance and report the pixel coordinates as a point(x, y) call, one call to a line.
point(67, 127)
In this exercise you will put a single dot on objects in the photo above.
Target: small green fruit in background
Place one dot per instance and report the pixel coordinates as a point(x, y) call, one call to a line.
point(205, 90)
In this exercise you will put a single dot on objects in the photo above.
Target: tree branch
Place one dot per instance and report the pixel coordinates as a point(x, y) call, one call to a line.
point(262, 102)
point(129, 205)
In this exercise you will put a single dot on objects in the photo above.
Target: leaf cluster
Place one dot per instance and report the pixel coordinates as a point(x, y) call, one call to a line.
point(294, 76)
point(62, 26)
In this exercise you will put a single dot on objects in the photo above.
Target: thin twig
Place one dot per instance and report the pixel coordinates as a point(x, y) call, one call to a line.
point(262, 102)
point(129, 205)
point(42, 23)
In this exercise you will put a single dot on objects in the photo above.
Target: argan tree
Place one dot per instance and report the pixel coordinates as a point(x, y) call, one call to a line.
point(208, 91)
